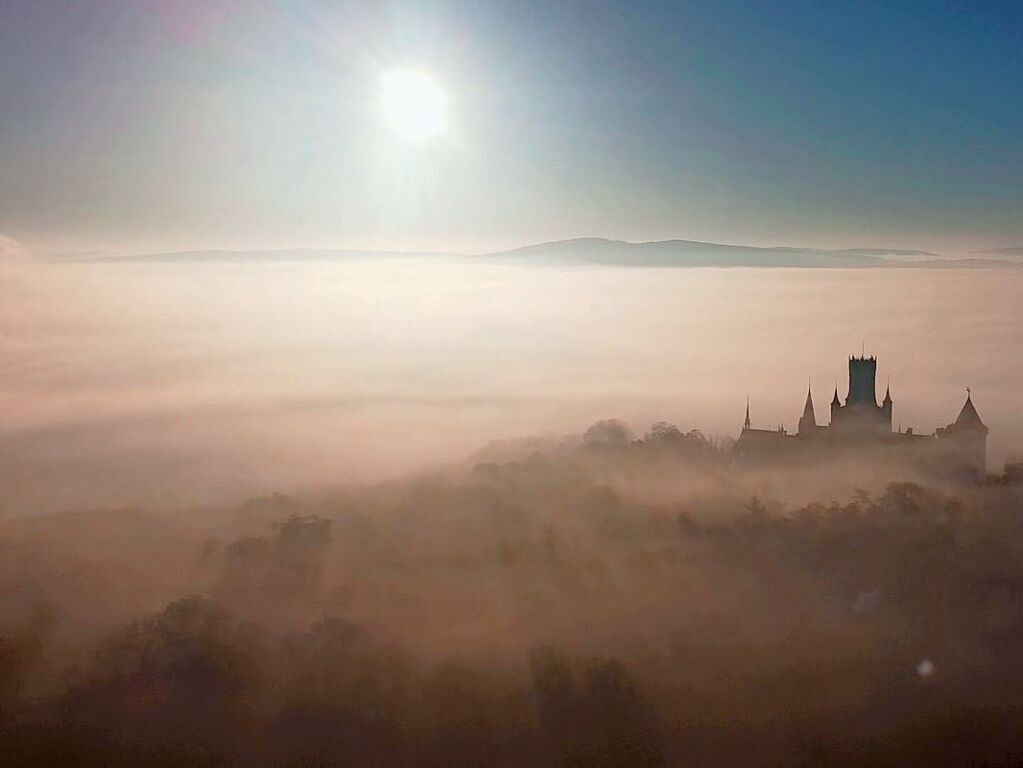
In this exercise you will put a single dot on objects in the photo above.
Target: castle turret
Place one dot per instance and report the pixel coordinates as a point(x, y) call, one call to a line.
point(968, 418)
point(807, 422)
point(886, 406)
point(965, 439)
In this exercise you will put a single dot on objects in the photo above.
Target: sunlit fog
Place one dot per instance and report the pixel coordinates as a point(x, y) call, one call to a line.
point(511, 384)
point(119, 380)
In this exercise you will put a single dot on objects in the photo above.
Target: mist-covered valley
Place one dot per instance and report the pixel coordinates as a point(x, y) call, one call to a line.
point(329, 514)
point(542, 609)
point(171, 384)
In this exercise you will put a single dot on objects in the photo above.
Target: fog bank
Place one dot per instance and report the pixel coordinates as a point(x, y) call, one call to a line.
point(179, 383)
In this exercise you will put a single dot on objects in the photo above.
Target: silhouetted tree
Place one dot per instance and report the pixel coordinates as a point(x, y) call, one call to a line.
point(620, 723)
point(602, 722)
point(557, 705)
point(664, 434)
point(607, 433)
point(188, 674)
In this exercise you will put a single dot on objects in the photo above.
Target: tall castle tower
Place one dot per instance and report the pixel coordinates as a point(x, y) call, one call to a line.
point(861, 414)
point(862, 381)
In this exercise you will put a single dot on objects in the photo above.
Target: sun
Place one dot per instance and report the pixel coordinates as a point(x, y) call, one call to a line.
point(414, 104)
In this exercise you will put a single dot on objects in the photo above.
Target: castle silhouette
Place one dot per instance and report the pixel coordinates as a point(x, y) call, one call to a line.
point(861, 424)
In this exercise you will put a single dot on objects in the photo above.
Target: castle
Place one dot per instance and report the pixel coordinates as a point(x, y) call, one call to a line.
point(860, 423)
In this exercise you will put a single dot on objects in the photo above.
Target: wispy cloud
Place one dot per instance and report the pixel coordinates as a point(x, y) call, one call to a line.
point(11, 251)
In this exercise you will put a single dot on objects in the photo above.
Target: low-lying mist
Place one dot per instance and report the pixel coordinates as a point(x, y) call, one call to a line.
point(166, 384)
point(590, 601)
point(437, 564)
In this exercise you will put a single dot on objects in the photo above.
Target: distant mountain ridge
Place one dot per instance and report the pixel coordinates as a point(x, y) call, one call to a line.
point(693, 253)
point(684, 253)
point(596, 251)
point(1012, 253)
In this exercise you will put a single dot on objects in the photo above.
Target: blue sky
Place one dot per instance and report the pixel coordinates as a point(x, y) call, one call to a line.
point(133, 126)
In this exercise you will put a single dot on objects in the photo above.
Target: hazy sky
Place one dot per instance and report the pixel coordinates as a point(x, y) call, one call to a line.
point(173, 124)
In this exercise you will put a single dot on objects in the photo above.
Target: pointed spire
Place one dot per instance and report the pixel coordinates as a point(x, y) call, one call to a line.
point(835, 401)
point(808, 422)
point(888, 394)
point(745, 424)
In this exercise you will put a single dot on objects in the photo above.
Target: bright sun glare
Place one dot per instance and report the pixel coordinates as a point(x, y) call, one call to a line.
point(414, 104)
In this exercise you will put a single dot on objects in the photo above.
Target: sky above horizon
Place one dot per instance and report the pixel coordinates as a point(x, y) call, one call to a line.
point(186, 124)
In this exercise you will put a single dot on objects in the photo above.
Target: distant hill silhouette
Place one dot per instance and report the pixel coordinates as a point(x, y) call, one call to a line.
point(595, 251)
point(1013, 253)
point(691, 253)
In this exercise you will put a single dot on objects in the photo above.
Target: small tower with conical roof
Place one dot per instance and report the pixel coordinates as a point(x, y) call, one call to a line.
point(808, 421)
point(886, 406)
point(965, 439)
point(968, 418)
